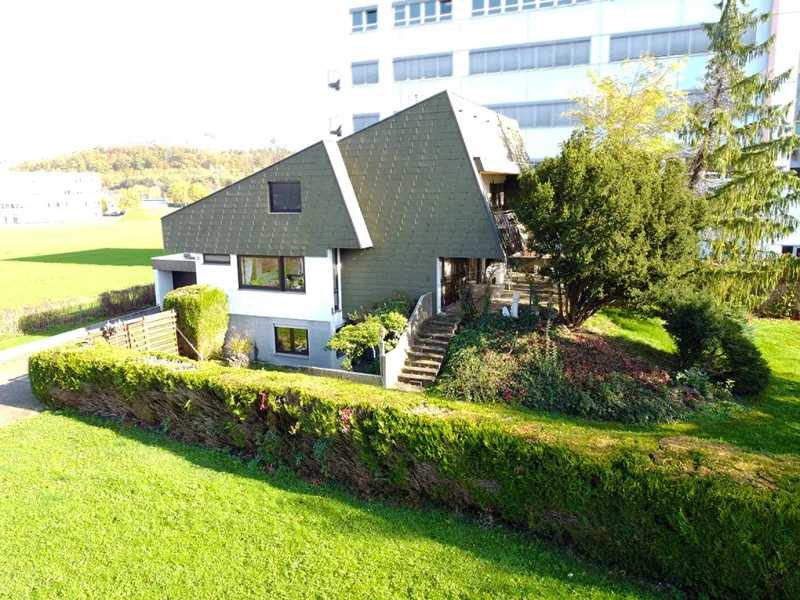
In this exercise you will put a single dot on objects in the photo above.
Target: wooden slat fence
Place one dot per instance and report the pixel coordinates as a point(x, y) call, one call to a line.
point(151, 333)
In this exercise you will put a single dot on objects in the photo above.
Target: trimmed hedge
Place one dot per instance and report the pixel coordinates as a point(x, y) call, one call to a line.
point(708, 517)
point(202, 317)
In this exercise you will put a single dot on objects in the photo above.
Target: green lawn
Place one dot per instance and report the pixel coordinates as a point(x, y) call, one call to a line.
point(768, 424)
point(17, 340)
point(38, 264)
point(94, 510)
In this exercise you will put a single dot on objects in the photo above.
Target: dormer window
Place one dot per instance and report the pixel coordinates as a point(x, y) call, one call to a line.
point(284, 197)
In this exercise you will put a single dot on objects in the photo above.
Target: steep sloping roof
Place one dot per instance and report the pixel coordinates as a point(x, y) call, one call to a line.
point(421, 198)
point(348, 194)
point(493, 140)
point(236, 219)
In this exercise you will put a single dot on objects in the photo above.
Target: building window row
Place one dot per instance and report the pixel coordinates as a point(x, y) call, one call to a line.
point(365, 72)
point(431, 66)
point(534, 115)
point(417, 13)
point(532, 56)
point(364, 19)
point(496, 7)
point(676, 42)
point(363, 121)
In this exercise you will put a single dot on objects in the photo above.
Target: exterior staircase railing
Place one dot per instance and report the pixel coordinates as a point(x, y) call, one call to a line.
point(510, 233)
point(392, 362)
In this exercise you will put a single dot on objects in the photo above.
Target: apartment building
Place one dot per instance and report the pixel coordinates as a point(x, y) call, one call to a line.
point(40, 198)
point(524, 58)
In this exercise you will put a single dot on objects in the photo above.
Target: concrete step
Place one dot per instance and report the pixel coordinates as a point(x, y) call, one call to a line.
point(424, 361)
point(415, 355)
point(423, 371)
point(418, 380)
point(424, 336)
point(430, 349)
point(439, 327)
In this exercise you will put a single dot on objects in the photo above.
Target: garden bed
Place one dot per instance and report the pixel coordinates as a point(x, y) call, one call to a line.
point(528, 362)
point(705, 516)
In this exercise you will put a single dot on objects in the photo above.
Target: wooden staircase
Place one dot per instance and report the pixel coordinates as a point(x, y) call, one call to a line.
point(426, 355)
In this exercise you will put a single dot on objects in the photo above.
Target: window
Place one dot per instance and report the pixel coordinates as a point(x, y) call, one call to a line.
point(530, 56)
point(364, 19)
point(676, 42)
point(481, 8)
point(284, 197)
point(497, 195)
point(216, 259)
point(278, 273)
point(431, 66)
point(336, 296)
point(362, 121)
point(534, 115)
point(416, 12)
point(289, 340)
point(365, 72)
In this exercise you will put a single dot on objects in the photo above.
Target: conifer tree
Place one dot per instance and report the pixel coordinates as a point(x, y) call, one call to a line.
point(737, 138)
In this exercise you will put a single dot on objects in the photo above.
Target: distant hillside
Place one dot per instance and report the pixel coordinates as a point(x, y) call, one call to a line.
point(123, 167)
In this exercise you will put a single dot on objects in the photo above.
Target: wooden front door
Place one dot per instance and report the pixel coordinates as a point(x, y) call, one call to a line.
point(455, 275)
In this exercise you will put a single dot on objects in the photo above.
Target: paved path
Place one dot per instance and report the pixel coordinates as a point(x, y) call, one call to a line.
point(16, 400)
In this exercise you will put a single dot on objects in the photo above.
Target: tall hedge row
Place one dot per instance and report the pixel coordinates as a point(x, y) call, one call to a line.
point(202, 319)
point(667, 512)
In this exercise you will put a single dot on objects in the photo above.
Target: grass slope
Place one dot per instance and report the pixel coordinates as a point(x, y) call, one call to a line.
point(95, 510)
point(38, 264)
point(771, 423)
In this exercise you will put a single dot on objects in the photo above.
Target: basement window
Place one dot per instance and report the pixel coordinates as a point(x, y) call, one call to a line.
point(289, 340)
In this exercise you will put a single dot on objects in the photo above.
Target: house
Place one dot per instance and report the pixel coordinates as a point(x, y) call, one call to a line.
point(413, 203)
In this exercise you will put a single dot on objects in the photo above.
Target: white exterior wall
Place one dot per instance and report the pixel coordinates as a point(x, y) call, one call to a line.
point(259, 311)
point(313, 305)
point(597, 20)
point(39, 198)
point(163, 285)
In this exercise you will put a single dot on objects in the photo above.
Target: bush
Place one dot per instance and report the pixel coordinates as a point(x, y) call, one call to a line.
point(400, 303)
point(202, 318)
point(73, 311)
point(365, 333)
point(716, 342)
point(687, 511)
point(238, 348)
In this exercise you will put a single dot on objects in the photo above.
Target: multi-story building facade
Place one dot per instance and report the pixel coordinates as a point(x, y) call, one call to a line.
point(39, 198)
point(525, 58)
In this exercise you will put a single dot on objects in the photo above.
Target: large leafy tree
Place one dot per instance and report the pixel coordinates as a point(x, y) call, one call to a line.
point(737, 138)
point(615, 220)
point(642, 109)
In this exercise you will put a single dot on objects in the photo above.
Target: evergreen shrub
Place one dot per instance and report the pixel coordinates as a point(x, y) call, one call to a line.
point(716, 341)
point(718, 521)
point(202, 318)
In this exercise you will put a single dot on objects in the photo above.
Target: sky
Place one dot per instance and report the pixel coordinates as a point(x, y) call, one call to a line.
point(78, 74)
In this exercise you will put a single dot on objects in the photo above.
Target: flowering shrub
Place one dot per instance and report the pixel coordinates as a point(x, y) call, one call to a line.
point(523, 361)
point(365, 331)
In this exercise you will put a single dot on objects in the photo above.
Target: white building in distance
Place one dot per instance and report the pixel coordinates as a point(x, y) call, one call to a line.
point(40, 198)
